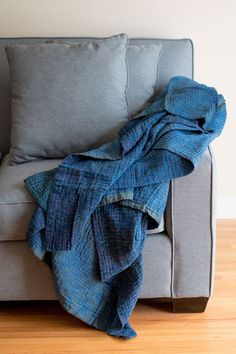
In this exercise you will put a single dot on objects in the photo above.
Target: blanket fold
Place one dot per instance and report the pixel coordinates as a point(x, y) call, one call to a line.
point(94, 208)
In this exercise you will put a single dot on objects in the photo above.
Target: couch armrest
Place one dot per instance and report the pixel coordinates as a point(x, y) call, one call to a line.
point(191, 224)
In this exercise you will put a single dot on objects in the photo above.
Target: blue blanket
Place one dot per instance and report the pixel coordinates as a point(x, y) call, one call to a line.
point(94, 209)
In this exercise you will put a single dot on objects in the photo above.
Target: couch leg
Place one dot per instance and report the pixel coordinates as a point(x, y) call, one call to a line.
point(189, 304)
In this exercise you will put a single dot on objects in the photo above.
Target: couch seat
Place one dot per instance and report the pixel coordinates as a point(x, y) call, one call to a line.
point(16, 203)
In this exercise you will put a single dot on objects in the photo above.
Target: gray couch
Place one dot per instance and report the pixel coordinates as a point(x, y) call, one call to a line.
point(178, 262)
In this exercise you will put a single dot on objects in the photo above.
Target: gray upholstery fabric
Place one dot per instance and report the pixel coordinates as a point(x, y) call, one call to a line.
point(24, 277)
point(16, 204)
point(189, 224)
point(66, 97)
point(176, 59)
point(157, 255)
point(143, 63)
point(213, 208)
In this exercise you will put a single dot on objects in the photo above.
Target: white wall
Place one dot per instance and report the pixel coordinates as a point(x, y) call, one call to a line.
point(210, 23)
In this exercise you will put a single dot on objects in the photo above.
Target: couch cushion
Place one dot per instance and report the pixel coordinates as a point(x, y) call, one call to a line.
point(16, 203)
point(143, 66)
point(66, 97)
point(24, 277)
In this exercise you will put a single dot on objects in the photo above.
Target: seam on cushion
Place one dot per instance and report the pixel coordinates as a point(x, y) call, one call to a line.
point(211, 229)
point(127, 80)
point(85, 37)
point(17, 203)
point(192, 47)
point(158, 67)
point(16, 238)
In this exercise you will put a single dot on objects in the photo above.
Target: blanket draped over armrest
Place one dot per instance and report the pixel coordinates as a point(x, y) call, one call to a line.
point(94, 208)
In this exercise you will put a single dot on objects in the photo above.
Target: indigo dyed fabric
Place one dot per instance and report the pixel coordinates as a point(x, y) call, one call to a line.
point(94, 208)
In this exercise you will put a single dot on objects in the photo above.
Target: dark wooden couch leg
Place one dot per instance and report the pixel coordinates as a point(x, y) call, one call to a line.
point(189, 304)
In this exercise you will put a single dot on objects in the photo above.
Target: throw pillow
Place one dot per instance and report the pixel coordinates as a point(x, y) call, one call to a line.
point(66, 97)
point(143, 67)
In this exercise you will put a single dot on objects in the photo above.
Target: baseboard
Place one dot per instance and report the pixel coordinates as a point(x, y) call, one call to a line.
point(226, 208)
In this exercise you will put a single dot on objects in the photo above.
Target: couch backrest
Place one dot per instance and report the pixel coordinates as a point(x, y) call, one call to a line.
point(176, 59)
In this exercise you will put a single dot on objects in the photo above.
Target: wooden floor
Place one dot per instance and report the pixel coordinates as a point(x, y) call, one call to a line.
point(43, 328)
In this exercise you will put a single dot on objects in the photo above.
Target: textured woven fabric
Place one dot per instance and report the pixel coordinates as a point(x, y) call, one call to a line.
point(63, 87)
point(94, 209)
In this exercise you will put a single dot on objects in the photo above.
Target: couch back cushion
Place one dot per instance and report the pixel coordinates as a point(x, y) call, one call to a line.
point(143, 69)
point(176, 59)
point(142, 74)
